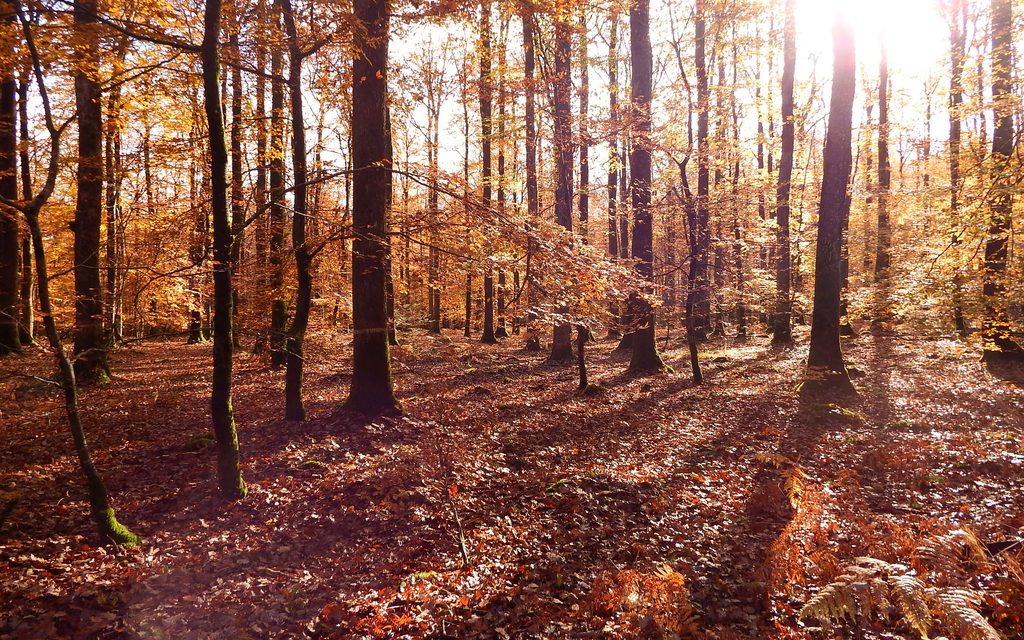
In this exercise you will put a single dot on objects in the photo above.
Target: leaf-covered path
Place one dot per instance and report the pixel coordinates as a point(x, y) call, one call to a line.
point(351, 528)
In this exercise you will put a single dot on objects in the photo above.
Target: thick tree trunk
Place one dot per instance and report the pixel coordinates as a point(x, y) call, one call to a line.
point(229, 470)
point(10, 261)
point(782, 321)
point(998, 340)
point(825, 361)
point(561, 343)
point(645, 348)
point(371, 391)
point(90, 353)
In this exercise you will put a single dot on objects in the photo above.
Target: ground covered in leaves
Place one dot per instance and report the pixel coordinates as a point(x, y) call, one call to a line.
point(651, 509)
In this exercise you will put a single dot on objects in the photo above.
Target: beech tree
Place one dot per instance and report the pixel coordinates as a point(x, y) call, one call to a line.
point(782, 327)
point(999, 342)
point(371, 390)
point(229, 470)
point(825, 363)
point(90, 351)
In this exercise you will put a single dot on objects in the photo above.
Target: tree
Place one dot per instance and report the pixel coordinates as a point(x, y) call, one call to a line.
point(109, 528)
point(782, 322)
point(371, 391)
point(561, 343)
point(825, 363)
point(294, 409)
point(91, 354)
point(701, 306)
point(883, 258)
point(10, 263)
point(530, 115)
point(486, 133)
point(229, 470)
point(957, 15)
point(998, 340)
point(645, 349)
point(278, 306)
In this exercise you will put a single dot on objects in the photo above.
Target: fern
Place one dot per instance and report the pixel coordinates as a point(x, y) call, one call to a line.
point(794, 478)
point(870, 588)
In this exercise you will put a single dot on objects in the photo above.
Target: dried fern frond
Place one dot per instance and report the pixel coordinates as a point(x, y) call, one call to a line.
point(959, 609)
point(910, 595)
point(947, 554)
point(794, 477)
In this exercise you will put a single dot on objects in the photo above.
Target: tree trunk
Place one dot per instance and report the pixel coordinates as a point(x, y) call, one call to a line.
point(27, 279)
point(371, 391)
point(997, 338)
point(957, 55)
point(584, 104)
point(782, 322)
point(90, 353)
point(237, 197)
point(645, 349)
point(882, 250)
point(825, 362)
point(229, 471)
point(532, 201)
point(278, 307)
point(613, 156)
point(702, 302)
point(294, 408)
point(486, 130)
point(10, 261)
point(561, 343)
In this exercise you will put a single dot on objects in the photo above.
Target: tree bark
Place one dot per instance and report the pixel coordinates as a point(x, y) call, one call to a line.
point(883, 258)
point(10, 261)
point(532, 199)
point(229, 470)
point(90, 353)
point(998, 340)
point(278, 307)
point(561, 343)
point(371, 391)
point(486, 131)
point(645, 348)
point(825, 361)
point(27, 279)
point(782, 321)
point(702, 302)
point(957, 55)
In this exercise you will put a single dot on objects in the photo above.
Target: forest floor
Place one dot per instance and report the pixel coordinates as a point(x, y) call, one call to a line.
point(571, 505)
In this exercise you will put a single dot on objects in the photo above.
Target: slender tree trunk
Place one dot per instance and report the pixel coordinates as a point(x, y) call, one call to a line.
point(701, 307)
point(294, 408)
point(112, 152)
point(237, 197)
point(782, 323)
point(90, 353)
point(613, 156)
point(645, 348)
point(825, 361)
point(584, 132)
point(957, 55)
point(278, 308)
point(371, 391)
point(998, 339)
point(532, 200)
point(561, 343)
point(883, 248)
point(229, 470)
point(486, 131)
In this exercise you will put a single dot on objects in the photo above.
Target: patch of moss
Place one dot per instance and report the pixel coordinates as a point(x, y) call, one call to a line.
point(113, 531)
point(199, 441)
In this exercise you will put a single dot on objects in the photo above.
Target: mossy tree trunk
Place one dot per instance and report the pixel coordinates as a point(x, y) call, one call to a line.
point(229, 471)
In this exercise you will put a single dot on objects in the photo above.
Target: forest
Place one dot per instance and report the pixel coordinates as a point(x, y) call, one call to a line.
point(511, 319)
